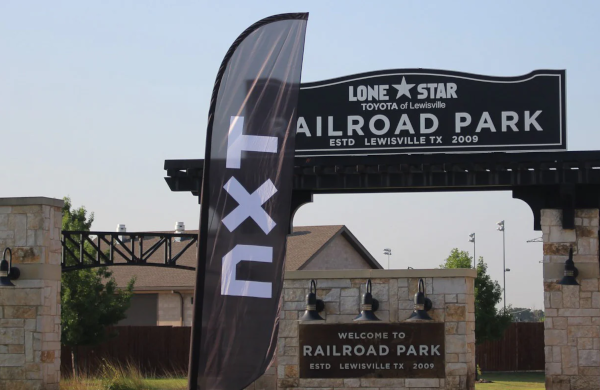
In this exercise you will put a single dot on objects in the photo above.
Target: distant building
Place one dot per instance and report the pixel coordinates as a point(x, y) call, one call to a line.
point(163, 296)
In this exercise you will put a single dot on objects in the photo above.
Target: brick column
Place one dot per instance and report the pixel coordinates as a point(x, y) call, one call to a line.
point(30, 312)
point(572, 325)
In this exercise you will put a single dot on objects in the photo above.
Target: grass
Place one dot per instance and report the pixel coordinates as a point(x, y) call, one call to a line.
point(115, 377)
point(512, 381)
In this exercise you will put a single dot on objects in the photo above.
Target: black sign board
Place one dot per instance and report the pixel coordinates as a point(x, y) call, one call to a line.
point(405, 350)
point(431, 111)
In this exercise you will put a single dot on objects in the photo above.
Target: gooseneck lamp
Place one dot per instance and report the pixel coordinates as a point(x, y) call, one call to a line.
point(369, 306)
point(313, 305)
point(422, 305)
point(571, 272)
point(7, 271)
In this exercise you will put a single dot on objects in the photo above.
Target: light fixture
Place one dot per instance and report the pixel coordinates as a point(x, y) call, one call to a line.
point(422, 305)
point(7, 271)
point(313, 305)
point(368, 307)
point(571, 272)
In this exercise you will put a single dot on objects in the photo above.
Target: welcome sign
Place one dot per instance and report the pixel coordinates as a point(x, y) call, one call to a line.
point(405, 350)
point(431, 111)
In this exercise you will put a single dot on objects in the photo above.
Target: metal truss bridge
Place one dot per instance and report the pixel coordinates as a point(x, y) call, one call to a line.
point(100, 249)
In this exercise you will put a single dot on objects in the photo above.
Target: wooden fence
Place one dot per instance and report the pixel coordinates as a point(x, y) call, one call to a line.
point(154, 350)
point(521, 349)
point(163, 349)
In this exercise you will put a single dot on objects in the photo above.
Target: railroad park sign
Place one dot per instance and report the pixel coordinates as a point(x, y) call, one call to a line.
point(431, 111)
point(392, 350)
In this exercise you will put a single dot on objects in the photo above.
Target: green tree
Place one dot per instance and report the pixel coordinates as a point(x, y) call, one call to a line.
point(521, 314)
point(90, 298)
point(490, 323)
point(458, 259)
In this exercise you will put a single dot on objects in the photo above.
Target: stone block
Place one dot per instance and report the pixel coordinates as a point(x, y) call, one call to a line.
point(558, 234)
point(332, 296)
point(551, 217)
point(421, 382)
point(578, 259)
point(586, 213)
point(352, 382)
point(332, 308)
point(585, 383)
point(458, 343)
point(294, 305)
point(456, 368)
point(294, 295)
point(558, 249)
point(16, 348)
point(334, 283)
point(349, 292)
point(596, 300)
point(589, 284)
point(570, 297)
point(380, 292)
point(579, 312)
point(12, 323)
point(559, 323)
point(555, 337)
point(288, 328)
point(579, 321)
point(451, 298)
point(556, 300)
point(349, 305)
point(585, 343)
point(587, 246)
point(553, 369)
point(449, 286)
point(583, 331)
point(316, 383)
point(29, 255)
point(12, 360)
point(589, 371)
point(585, 303)
point(589, 358)
point(291, 371)
point(552, 286)
point(12, 336)
point(28, 312)
point(456, 313)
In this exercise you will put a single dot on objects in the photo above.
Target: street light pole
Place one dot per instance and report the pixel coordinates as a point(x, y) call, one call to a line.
point(472, 239)
point(501, 228)
point(388, 252)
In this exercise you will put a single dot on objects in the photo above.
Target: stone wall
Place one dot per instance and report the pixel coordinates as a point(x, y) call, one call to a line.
point(572, 325)
point(30, 312)
point(452, 294)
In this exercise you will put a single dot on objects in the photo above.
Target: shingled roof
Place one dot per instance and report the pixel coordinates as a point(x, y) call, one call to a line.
point(303, 245)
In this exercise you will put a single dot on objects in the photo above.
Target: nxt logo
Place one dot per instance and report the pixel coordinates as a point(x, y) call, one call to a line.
point(249, 206)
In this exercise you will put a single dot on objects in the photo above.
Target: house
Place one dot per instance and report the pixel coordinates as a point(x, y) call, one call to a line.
point(164, 296)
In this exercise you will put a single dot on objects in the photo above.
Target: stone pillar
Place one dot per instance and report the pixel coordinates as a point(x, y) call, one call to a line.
point(30, 312)
point(572, 325)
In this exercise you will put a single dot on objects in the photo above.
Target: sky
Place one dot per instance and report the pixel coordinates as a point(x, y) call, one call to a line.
point(95, 95)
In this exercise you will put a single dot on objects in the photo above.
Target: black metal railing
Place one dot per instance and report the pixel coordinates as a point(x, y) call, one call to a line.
point(100, 249)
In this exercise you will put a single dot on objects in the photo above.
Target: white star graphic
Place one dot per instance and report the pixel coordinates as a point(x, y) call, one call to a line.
point(403, 88)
